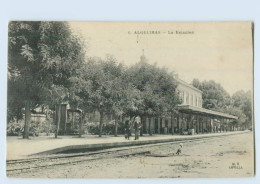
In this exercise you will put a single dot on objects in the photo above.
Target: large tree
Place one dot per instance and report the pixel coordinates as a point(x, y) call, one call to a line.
point(242, 104)
point(157, 89)
point(214, 96)
point(42, 57)
point(97, 88)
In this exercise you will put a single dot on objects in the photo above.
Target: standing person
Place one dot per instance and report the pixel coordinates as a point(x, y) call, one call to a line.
point(137, 126)
point(127, 129)
point(139, 129)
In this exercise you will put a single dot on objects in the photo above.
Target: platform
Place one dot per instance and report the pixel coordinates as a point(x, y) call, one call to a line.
point(18, 148)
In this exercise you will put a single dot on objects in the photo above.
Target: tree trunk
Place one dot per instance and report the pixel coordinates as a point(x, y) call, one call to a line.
point(58, 120)
point(142, 126)
point(150, 131)
point(48, 121)
point(27, 121)
point(82, 117)
point(172, 124)
point(116, 124)
point(159, 124)
point(101, 123)
point(73, 119)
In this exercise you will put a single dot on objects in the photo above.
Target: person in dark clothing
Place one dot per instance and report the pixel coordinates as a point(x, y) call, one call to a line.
point(137, 126)
point(136, 130)
point(127, 129)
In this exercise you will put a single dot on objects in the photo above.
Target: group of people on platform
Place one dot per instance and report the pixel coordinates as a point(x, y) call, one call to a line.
point(134, 123)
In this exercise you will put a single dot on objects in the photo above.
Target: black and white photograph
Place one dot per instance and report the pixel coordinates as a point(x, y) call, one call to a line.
point(130, 100)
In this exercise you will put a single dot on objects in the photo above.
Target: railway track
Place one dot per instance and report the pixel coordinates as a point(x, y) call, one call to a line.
point(27, 164)
point(49, 162)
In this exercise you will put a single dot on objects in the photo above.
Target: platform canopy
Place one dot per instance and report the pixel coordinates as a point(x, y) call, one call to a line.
point(199, 110)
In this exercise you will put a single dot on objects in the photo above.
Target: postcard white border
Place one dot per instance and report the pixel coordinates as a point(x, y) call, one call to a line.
point(130, 10)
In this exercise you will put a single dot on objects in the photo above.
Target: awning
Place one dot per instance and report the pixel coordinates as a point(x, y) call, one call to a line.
point(199, 110)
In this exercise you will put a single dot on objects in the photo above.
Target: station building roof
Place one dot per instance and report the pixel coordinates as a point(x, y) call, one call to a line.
point(203, 111)
point(187, 84)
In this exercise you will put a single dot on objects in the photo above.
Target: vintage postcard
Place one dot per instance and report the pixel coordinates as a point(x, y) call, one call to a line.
point(130, 100)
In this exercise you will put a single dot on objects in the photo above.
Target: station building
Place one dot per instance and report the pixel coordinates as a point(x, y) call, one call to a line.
point(191, 118)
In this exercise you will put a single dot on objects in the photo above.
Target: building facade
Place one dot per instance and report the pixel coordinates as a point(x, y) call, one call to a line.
point(189, 94)
point(191, 117)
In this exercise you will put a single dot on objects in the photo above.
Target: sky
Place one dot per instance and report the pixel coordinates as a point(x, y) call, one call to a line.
point(219, 51)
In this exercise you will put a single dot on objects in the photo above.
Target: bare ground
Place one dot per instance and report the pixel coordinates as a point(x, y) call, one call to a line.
point(227, 156)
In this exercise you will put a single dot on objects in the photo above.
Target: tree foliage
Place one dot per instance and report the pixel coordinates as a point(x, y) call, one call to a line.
point(42, 57)
point(215, 97)
point(242, 104)
point(157, 89)
point(109, 87)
